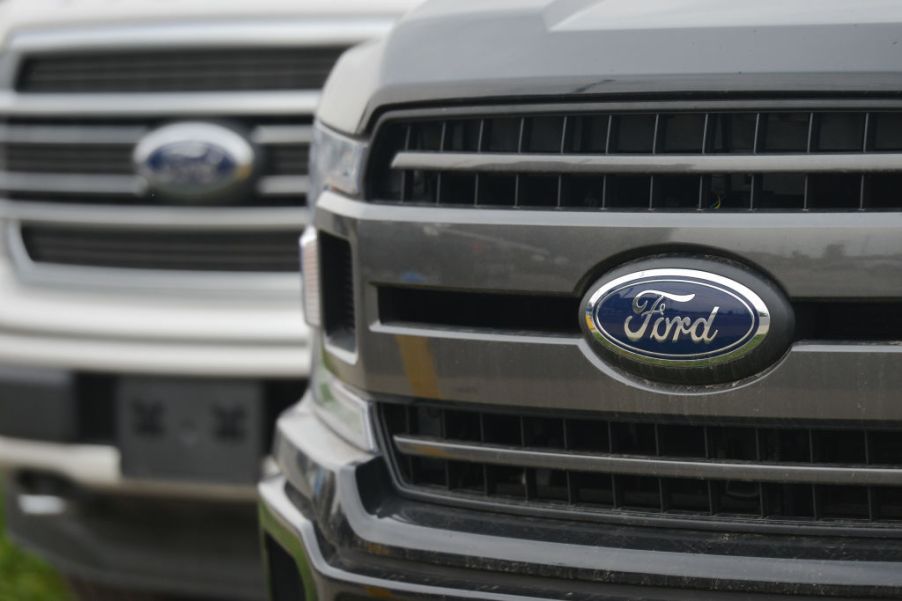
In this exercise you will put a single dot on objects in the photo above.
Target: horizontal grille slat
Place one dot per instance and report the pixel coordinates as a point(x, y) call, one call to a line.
point(763, 472)
point(663, 161)
point(651, 164)
point(660, 467)
point(185, 70)
point(148, 249)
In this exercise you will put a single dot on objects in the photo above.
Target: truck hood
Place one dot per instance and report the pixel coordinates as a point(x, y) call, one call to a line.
point(455, 50)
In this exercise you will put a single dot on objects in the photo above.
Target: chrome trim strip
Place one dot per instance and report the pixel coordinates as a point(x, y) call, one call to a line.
point(275, 135)
point(291, 30)
point(649, 163)
point(642, 466)
point(161, 105)
point(71, 182)
point(283, 185)
point(270, 135)
point(71, 134)
point(216, 218)
point(343, 409)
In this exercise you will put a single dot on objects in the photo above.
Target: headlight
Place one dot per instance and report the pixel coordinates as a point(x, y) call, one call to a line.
point(336, 162)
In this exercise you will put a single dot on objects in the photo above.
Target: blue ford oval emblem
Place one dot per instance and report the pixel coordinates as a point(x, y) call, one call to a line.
point(191, 163)
point(677, 317)
point(194, 161)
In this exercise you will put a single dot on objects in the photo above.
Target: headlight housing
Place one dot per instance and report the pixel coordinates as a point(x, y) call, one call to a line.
point(336, 162)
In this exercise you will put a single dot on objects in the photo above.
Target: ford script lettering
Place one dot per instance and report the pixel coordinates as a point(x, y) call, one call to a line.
point(676, 317)
point(699, 330)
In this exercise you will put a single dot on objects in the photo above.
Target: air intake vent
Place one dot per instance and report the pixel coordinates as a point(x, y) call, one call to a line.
point(665, 161)
point(759, 473)
point(148, 249)
point(207, 70)
point(337, 273)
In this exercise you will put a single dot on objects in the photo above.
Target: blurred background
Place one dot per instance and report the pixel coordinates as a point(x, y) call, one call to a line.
point(153, 186)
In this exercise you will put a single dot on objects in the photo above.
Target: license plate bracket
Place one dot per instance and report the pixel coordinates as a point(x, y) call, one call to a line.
point(190, 430)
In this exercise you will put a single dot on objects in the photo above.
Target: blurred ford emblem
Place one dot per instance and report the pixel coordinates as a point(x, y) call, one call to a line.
point(676, 317)
point(195, 162)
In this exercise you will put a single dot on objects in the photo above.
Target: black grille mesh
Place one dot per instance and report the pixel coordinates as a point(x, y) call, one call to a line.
point(286, 159)
point(207, 70)
point(653, 133)
point(174, 250)
point(93, 159)
point(686, 497)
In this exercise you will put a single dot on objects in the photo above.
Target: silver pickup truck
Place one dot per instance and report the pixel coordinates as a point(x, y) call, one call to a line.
point(619, 312)
point(153, 180)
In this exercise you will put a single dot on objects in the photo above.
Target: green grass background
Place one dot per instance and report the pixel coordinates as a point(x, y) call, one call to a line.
point(22, 576)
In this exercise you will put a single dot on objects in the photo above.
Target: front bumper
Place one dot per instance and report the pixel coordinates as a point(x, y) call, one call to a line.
point(165, 545)
point(334, 512)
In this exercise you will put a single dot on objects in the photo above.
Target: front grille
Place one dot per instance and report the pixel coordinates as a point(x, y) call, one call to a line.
point(762, 473)
point(201, 250)
point(179, 70)
point(52, 156)
point(635, 161)
point(90, 161)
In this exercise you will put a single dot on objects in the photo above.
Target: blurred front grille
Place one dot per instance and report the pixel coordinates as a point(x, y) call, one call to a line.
point(90, 161)
point(636, 161)
point(764, 472)
point(54, 156)
point(200, 250)
point(179, 70)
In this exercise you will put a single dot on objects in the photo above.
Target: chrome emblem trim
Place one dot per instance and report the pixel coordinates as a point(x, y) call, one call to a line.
point(654, 322)
point(194, 161)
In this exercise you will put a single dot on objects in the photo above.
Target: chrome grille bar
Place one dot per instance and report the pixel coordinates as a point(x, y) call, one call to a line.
point(70, 134)
point(282, 134)
point(283, 185)
point(71, 183)
point(660, 467)
point(174, 105)
point(648, 164)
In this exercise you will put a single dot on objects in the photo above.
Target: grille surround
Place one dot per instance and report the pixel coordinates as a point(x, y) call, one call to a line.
point(726, 522)
point(440, 161)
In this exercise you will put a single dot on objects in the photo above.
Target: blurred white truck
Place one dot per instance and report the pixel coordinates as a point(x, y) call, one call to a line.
point(153, 171)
